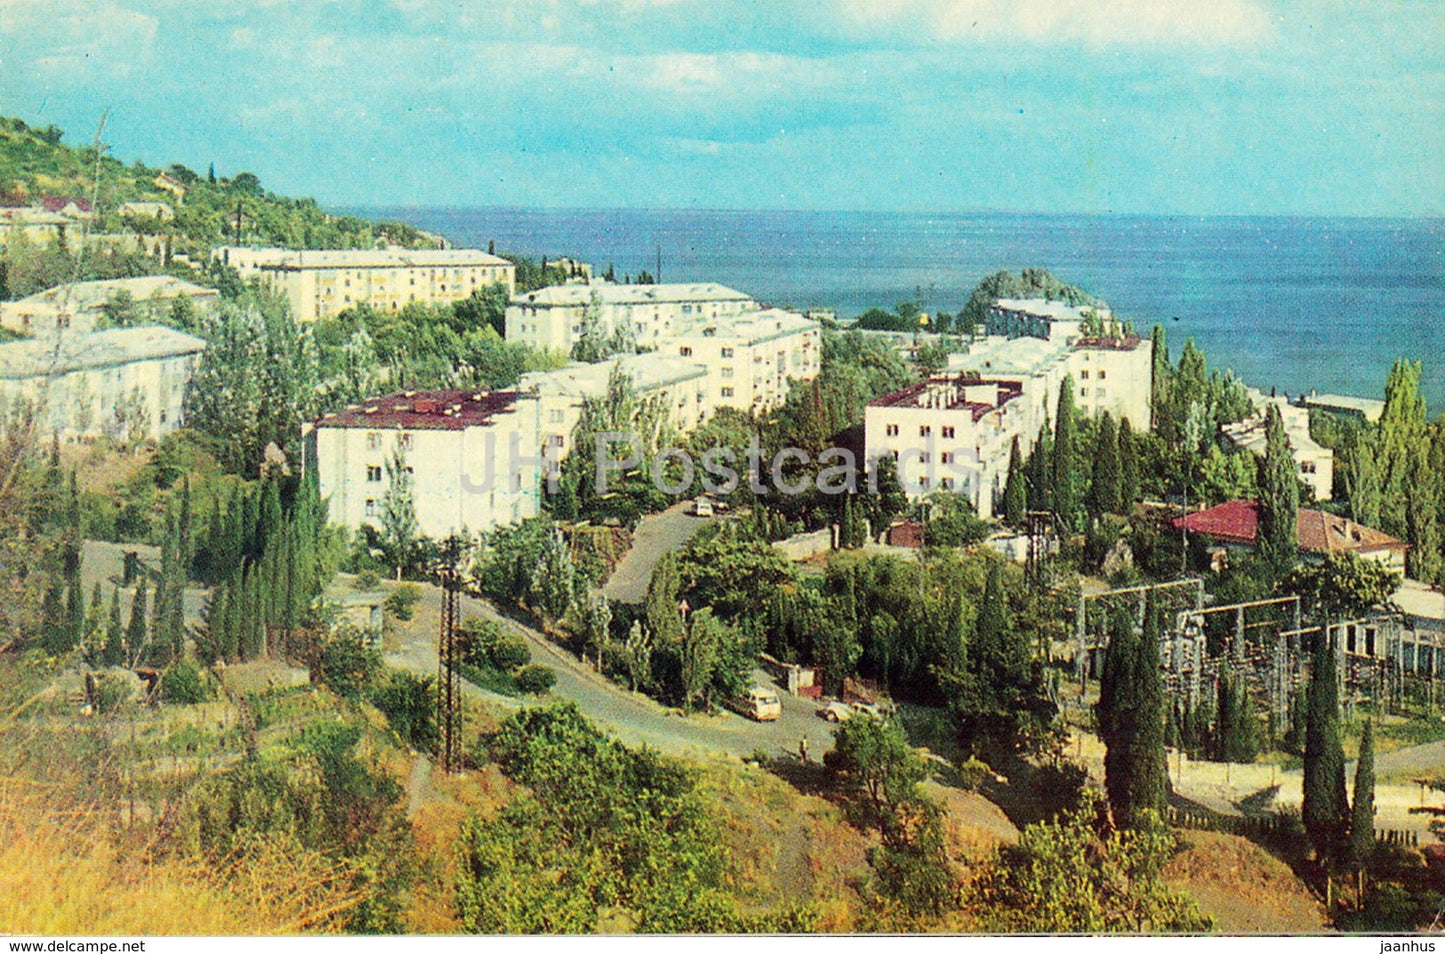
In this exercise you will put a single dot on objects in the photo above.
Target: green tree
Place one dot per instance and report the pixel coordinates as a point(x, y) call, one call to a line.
point(1104, 488)
point(398, 511)
point(1040, 472)
point(135, 635)
point(554, 581)
point(1325, 810)
point(114, 652)
point(1015, 491)
point(1237, 730)
point(1062, 877)
point(1343, 586)
point(873, 758)
point(1278, 497)
point(1362, 813)
point(1131, 717)
point(1064, 481)
point(701, 646)
point(1129, 467)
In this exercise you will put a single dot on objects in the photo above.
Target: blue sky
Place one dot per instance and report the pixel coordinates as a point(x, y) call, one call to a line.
point(1178, 106)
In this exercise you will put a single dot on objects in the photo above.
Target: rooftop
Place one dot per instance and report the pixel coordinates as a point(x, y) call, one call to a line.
point(56, 355)
point(1237, 521)
point(84, 296)
point(288, 260)
point(427, 410)
point(1045, 308)
point(950, 392)
point(1368, 408)
point(1420, 600)
point(629, 294)
point(647, 371)
point(750, 327)
point(1110, 342)
point(998, 355)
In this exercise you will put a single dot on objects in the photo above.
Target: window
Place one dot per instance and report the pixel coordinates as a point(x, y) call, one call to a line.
point(685, 351)
point(373, 474)
point(727, 372)
point(370, 507)
point(557, 440)
point(727, 392)
point(891, 430)
point(556, 415)
point(1307, 467)
point(1084, 375)
point(404, 441)
point(945, 458)
point(373, 441)
point(948, 432)
point(923, 483)
point(925, 430)
point(923, 457)
point(1083, 392)
point(1102, 374)
point(946, 483)
point(727, 352)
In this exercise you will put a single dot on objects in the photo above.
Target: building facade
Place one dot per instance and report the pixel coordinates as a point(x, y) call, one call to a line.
point(750, 357)
point(78, 306)
point(1314, 464)
point(322, 284)
point(556, 317)
point(952, 433)
point(126, 383)
point(471, 456)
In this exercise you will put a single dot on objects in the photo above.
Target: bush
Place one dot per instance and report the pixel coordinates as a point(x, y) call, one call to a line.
point(535, 679)
point(367, 579)
point(489, 644)
point(184, 684)
point(347, 664)
point(972, 774)
point(409, 704)
point(402, 601)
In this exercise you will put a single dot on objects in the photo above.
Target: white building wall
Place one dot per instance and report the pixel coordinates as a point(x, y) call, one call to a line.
point(1114, 380)
point(463, 480)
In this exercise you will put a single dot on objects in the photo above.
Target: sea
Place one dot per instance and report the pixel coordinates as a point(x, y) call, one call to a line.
point(1289, 304)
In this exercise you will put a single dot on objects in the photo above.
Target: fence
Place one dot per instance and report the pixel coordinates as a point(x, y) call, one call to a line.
point(1255, 827)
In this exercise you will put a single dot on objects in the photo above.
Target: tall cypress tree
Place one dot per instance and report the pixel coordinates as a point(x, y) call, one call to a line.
point(1040, 471)
point(114, 652)
point(1362, 815)
point(1129, 486)
point(1114, 712)
point(1104, 487)
point(1159, 378)
point(1149, 774)
point(1064, 485)
point(1236, 732)
point(1278, 497)
point(135, 634)
point(1015, 495)
point(1325, 811)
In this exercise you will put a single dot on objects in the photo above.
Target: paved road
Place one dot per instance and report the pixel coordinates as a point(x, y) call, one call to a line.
point(632, 717)
point(655, 535)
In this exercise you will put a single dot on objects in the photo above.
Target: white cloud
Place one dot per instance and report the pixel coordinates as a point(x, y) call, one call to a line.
point(1099, 22)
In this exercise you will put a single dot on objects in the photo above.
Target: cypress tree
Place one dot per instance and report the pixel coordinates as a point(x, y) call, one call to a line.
point(1129, 486)
point(1114, 712)
point(54, 621)
point(1040, 472)
point(1362, 816)
point(1278, 497)
point(1236, 733)
point(1064, 485)
point(135, 634)
point(1325, 811)
point(1159, 377)
point(1149, 774)
point(1015, 491)
point(846, 528)
point(1104, 487)
point(114, 652)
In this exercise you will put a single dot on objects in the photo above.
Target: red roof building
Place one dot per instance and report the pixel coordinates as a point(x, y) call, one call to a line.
point(1237, 523)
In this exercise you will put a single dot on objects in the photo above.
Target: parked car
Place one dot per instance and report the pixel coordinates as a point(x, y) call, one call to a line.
point(760, 704)
point(702, 507)
point(836, 712)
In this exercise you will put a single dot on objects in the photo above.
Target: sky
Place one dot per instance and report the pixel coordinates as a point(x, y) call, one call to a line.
point(1326, 107)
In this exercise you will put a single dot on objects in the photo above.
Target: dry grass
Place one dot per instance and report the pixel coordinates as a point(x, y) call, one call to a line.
point(1243, 887)
point(62, 872)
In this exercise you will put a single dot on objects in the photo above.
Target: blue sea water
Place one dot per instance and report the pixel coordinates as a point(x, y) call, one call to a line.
point(1289, 303)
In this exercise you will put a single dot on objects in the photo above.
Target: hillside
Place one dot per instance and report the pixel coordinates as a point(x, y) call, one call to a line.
point(37, 162)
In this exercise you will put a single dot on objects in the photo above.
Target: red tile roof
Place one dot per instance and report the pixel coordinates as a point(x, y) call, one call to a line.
point(54, 203)
point(1237, 521)
point(914, 394)
point(427, 410)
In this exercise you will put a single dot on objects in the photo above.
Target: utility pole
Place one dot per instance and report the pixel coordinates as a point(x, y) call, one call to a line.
point(449, 703)
point(94, 185)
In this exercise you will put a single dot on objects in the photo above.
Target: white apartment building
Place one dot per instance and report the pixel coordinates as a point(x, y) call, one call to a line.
point(472, 457)
point(1114, 374)
point(78, 305)
point(1040, 318)
point(126, 383)
point(750, 357)
point(684, 386)
point(952, 432)
point(322, 284)
point(1314, 464)
point(554, 318)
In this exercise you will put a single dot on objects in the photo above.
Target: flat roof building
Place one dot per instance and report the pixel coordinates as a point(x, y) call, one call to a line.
point(323, 283)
